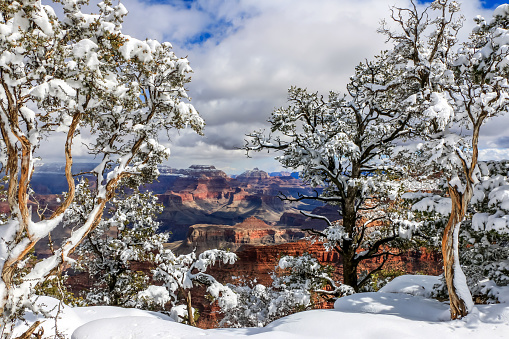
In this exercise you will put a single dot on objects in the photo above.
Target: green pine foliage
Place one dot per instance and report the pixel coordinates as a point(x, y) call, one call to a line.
point(128, 234)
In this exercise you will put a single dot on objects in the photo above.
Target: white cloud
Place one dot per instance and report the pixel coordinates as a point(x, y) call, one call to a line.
point(257, 50)
point(159, 21)
point(494, 154)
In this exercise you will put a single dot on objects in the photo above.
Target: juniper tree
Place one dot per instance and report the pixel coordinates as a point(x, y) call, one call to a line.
point(128, 234)
point(66, 76)
point(484, 238)
point(342, 144)
point(467, 89)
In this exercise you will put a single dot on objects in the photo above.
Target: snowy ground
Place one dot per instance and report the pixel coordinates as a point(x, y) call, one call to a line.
point(399, 310)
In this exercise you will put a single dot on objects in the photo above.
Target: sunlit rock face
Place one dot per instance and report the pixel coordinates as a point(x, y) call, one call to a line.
point(203, 194)
point(258, 262)
point(207, 196)
point(251, 231)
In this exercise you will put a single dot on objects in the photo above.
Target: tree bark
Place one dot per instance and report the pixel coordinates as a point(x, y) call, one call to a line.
point(452, 271)
point(28, 334)
point(460, 301)
point(350, 272)
point(349, 248)
point(190, 314)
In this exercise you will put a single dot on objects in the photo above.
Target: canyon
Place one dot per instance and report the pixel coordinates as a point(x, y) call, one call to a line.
point(252, 231)
point(203, 194)
point(205, 208)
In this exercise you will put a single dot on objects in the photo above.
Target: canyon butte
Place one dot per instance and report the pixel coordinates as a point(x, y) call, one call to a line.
point(204, 208)
point(204, 195)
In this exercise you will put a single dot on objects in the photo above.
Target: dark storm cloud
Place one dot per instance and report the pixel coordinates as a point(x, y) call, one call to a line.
point(503, 142)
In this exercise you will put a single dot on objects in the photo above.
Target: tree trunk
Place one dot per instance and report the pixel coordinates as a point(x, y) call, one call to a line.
point(190, 314)
point(350, 271)
point(349, 247)
point(459, 296)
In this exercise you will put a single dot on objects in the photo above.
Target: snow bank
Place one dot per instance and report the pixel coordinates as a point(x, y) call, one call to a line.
point(417, 285)
point(499, 293)
point(71, 318)
point(136, 327)
point(398, 311)
point(401, 305)
point(363, 315)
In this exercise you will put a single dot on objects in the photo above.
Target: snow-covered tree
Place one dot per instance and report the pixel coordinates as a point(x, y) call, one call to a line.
point(327, 141)
point(74, 75)
point(180, 273)
point(483, 237)
point(484, 234)
point(467, 89)
point(484, 240)
point(342, 143)
point(129, 233)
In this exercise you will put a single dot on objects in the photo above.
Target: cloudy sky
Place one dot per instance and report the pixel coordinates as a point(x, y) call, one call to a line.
point(247, 53)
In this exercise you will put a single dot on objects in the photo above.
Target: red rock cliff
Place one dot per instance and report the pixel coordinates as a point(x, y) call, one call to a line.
point(251, 231)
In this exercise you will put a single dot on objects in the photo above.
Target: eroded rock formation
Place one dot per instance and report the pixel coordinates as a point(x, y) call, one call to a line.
point(259, 261)
point(204, 195)
point(251, 231)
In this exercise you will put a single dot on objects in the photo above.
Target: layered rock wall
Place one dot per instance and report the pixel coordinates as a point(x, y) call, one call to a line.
point(251, 231)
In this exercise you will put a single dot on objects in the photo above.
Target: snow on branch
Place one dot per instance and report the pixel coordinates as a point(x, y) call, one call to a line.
point(77, 73)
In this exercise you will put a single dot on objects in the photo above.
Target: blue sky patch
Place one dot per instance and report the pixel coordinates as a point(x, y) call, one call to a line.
point(488, 4)
point(201, 38)
point(220, 28)
point(492, 3)
point(217, 31)
point(176, 3)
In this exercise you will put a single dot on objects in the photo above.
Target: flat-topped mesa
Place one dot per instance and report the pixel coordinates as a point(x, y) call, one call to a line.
point(250, 231)
point(207, 171)
point(203, 167)
point(253, 223)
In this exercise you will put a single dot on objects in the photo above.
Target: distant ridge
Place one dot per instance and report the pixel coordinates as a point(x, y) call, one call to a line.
point(294, 175)
point(193, 170)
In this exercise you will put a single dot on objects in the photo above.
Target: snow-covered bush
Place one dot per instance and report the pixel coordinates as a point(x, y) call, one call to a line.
point(259, 305)
point(70, 75)
point(295, 282)
point(57, 287)
point(152, 297)
point(180, 273)
point(306, 273)
point(180, 314)
point(128, 233)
